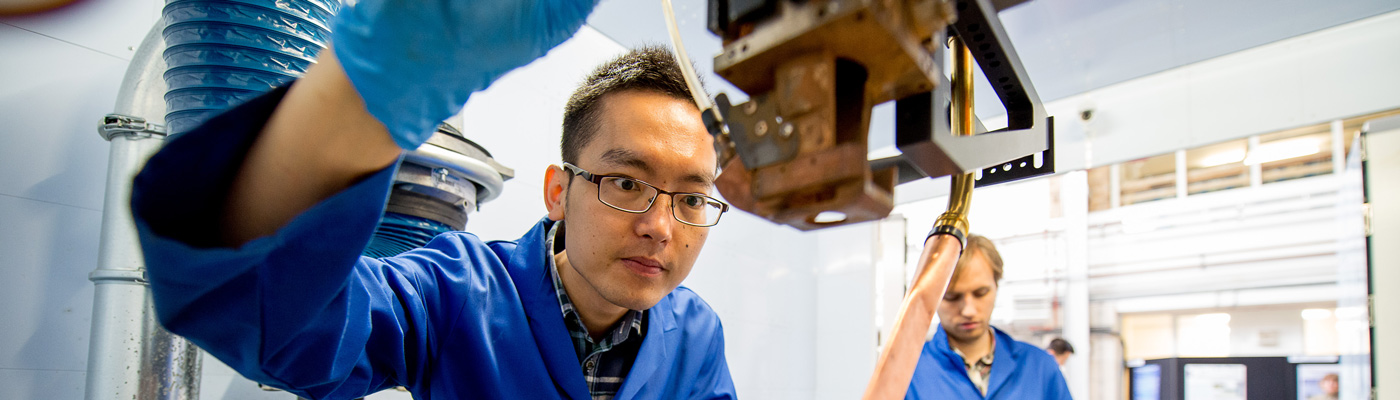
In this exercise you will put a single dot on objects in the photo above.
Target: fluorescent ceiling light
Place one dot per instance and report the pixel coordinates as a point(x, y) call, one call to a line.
point(1221, 158)
point(1214, 319)
point(1316, 314)
point(1283, 150)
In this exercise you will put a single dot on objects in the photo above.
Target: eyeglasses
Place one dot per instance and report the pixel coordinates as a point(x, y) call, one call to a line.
point(634, 196)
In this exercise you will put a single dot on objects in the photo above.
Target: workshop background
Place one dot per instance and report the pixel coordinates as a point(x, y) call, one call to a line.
point(1160, 237)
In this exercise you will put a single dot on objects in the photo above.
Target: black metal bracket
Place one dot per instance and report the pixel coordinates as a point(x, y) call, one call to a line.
point(922, 121)
point(1024, 167)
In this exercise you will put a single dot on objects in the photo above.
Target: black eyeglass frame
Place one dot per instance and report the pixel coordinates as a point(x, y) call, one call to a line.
point(598, 180)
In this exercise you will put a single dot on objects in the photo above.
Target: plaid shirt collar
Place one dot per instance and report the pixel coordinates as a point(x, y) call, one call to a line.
point(584, 346)
point(979, 370)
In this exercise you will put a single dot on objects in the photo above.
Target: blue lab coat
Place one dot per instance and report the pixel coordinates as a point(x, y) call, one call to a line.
point(302, 311)
point(1019, 371)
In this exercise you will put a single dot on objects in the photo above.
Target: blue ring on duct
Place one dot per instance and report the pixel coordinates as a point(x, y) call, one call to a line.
point(210, 77)
point(398, 233)
point(236, 57)
point(221, 53)
point(193, 106)
point(313, 25)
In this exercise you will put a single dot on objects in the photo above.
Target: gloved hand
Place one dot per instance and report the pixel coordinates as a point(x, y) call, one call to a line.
point(415, 62)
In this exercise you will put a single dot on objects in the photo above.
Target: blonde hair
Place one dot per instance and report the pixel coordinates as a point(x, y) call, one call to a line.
point(978, 244)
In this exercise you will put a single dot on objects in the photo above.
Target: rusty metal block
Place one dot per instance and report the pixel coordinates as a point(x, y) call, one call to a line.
point(814, 69)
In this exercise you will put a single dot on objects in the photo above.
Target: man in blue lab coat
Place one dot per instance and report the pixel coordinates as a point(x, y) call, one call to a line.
point(252, 227)
point(967, 357)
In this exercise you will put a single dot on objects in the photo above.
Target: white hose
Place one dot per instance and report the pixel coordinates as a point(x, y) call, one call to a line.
point(702, 100)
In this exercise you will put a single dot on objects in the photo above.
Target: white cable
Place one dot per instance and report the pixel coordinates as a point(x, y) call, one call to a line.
point(702, 100)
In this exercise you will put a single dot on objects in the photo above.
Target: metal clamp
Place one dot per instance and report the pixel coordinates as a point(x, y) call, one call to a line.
point(113, 125)
point(127, 276)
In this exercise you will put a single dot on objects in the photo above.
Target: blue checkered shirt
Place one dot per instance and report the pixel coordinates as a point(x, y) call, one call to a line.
point(605, 362)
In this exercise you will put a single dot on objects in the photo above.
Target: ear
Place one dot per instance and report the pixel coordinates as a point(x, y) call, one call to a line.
point(556, 188)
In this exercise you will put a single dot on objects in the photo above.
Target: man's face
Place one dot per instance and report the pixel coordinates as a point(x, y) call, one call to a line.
point(967, 305)
point(1329, 384)
point(633, 260)
point(1060, 358)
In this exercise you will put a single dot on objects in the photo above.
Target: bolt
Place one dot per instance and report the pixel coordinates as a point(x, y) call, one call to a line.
point(441, 174)
point(761, 128)
point(750, 107)
point(787, 130)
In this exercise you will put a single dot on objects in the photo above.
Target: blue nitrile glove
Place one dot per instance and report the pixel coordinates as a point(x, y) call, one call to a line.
point(415, 62)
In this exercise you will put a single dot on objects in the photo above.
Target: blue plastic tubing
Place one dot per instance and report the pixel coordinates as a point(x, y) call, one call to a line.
point(398, 233)
point(223, 52)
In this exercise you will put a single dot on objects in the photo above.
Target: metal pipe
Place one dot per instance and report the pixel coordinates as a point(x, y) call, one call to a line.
point(964, 124)
point(895, 368)
point(436, 189)
point(476, 170)
point(129, 354)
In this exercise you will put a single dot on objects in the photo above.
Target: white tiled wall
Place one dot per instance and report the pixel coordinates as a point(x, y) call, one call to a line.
point(49, 249)
point(52, 97)
point(59, 73)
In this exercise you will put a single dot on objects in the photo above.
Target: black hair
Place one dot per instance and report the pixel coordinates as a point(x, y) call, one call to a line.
point(1061, 346)
point(648, 68)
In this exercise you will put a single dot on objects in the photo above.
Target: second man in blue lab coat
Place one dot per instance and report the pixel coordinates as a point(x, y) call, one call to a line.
point(970, 359)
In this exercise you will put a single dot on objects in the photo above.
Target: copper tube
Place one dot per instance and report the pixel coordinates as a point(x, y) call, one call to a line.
point(895, 368)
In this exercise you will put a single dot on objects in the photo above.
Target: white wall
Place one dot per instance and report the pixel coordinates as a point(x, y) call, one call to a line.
point(1383, 167)
point(1267, 332)
point(59, 74)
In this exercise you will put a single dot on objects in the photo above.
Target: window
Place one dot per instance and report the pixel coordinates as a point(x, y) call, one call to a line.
point(1148, 179)
point(1217, 167)
point(1293, 154)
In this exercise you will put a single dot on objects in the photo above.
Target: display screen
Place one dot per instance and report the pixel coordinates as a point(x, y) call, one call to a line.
point(1318, 381)
point(1147, 382)
point(1215, 381)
